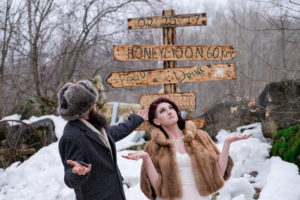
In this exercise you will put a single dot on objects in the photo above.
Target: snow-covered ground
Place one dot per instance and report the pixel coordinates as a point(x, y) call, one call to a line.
point(41, 176)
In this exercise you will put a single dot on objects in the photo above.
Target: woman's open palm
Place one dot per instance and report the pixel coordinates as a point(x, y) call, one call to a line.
point(234, 138)
point(136, 155)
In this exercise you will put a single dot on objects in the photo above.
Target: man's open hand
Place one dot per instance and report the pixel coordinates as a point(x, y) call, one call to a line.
point(79, 168)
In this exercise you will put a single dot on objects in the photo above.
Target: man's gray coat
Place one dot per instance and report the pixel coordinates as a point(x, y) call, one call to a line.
point(80, 143)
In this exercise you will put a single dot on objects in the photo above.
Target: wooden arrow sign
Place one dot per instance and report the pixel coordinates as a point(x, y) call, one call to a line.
point(198, 19)
point(173, 52)
point(185, 101)
point(200, 123)
point(173, 75)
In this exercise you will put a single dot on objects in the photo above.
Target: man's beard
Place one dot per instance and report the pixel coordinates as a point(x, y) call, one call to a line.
point(97, 119)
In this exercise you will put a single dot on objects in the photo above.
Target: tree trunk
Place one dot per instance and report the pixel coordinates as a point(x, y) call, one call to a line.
point(2, 80)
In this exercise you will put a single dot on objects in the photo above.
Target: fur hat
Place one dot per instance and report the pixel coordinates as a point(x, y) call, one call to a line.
point(76, 99)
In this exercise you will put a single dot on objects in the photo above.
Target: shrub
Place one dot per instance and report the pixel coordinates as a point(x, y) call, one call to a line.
point(286, 144)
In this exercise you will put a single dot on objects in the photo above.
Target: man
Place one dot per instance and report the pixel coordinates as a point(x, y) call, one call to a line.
point(87, 147)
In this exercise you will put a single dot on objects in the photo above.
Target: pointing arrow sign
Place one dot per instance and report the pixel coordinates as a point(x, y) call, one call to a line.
point(173, 52)
point(173, 75)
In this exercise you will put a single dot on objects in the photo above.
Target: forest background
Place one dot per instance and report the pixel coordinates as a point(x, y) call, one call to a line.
point(45, 43)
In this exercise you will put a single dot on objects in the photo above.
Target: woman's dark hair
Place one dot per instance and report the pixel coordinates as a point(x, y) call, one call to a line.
point(152, 110)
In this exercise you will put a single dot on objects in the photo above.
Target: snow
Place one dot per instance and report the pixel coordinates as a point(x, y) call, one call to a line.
point(41, 176)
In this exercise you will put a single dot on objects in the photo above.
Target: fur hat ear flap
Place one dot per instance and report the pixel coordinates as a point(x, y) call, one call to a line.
point(62, 100)
point(76, 99)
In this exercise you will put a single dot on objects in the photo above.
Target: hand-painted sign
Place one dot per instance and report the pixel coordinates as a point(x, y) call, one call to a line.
point(198, 19)
point(173, 52)
point(185, 101)
point(173, 75)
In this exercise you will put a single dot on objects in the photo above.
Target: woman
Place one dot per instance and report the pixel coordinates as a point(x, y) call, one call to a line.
point(181, 162)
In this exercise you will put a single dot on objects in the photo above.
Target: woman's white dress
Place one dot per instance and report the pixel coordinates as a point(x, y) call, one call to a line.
point(186, 173)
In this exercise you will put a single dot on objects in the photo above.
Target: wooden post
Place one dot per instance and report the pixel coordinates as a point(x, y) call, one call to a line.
point(169, 38)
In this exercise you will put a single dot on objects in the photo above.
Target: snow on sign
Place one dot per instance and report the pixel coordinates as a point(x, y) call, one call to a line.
point(173, 52)
point(198, 19)
point(173, 75)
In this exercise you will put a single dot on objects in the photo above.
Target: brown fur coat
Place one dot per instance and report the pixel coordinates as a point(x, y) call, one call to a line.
point(204, 156)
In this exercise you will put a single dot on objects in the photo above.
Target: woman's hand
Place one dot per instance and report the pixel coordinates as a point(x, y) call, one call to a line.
point(143, 113)
point(136, 155)
point(147, 163)
point(79, 168)
point(232, 138)
point(223, 158)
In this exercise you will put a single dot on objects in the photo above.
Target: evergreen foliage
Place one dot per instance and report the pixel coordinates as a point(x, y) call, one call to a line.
point(286, 144)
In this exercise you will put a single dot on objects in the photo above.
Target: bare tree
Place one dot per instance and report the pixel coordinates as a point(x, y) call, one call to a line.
point(55, 43)
point(87, 31)
point(37, 14)
point(82, 41)
point(269, 39)
point(9, 21)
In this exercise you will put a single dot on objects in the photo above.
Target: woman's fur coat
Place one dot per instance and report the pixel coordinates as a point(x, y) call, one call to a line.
point(204, 156)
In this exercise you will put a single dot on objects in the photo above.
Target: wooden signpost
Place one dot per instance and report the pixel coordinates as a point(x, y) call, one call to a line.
point(170, 53)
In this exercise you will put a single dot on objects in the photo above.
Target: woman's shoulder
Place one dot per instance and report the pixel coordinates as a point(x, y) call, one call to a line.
point(151, 146)
point(194, 132)
point(190, 125)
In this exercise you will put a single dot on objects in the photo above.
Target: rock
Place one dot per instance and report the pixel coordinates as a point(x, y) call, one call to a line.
point(20, 141)
point(257, 192)
point(230, 115)
point(278, 107)
point(46, 129)
point(35, 106)
point(281, 102)
point(44, 135)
